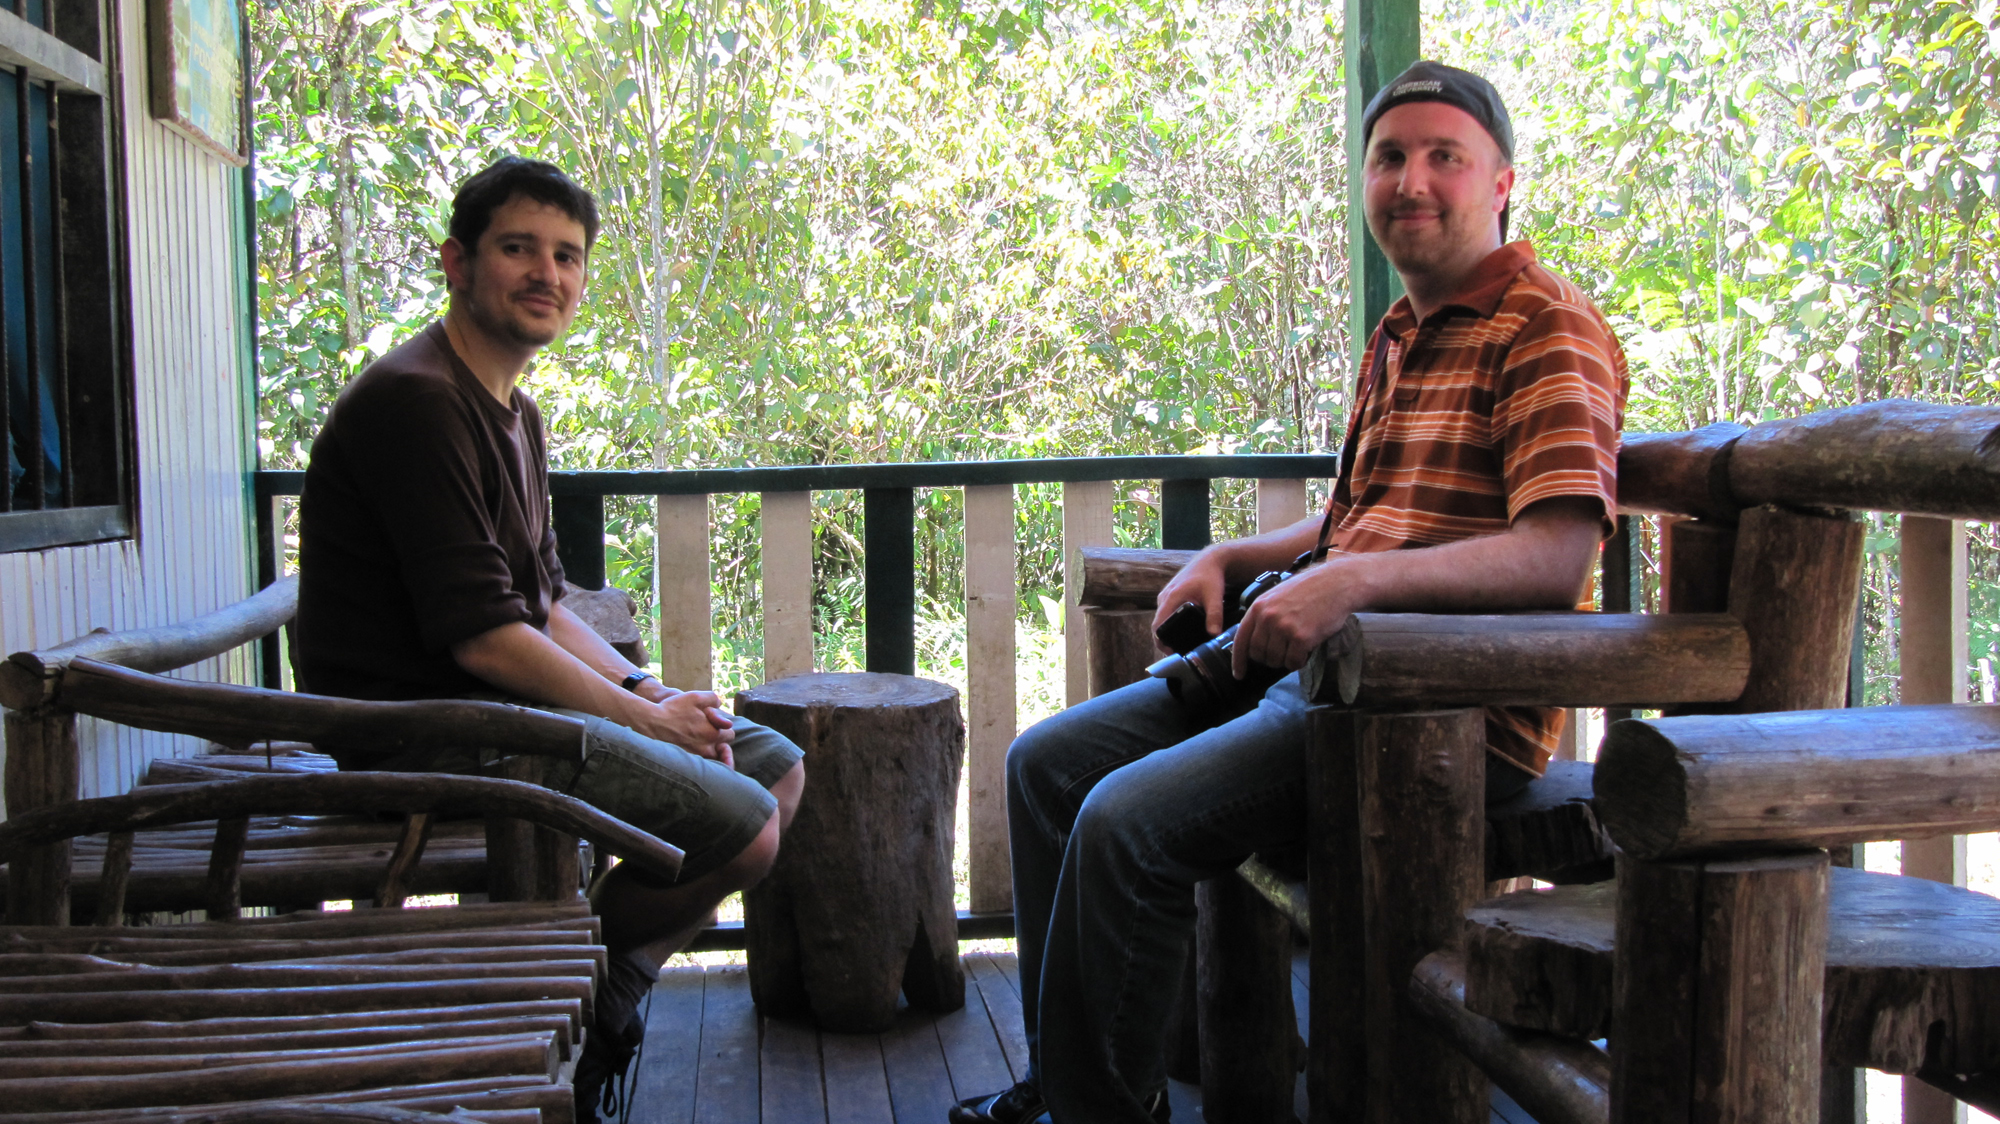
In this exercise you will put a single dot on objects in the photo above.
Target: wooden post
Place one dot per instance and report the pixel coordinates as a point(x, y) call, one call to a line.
point(41, 770)
point(1337, 1056)
point(990, 597)
point(1716, 991)
point(1246, 1019)
point(681, 579)
point(1280, 503)
point(512, 869)
point(788, 568)
point(1793, 585)
point(1932, 646)
point(859, 905)
point(1698, 558)
point(1421, 780)
point(1121, 645)
point(1086, 522)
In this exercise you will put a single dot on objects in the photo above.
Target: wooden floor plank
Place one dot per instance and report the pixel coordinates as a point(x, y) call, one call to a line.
point(789, 1073)
point(1010, 967)
point(661, 1086)
point(919, 1084)
point(857, 1086)
point(1003, 1005)
point(726, 1086)
point(972, 1053)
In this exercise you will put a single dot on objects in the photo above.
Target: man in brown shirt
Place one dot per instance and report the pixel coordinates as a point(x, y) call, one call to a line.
point(428, 569)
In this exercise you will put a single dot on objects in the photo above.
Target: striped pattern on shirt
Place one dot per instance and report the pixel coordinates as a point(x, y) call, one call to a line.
point(1511, 393)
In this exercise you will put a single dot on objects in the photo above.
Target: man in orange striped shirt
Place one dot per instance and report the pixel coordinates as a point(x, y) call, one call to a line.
point(1483, 444)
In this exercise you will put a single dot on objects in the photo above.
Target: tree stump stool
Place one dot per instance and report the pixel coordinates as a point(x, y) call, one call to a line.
point(859, 904)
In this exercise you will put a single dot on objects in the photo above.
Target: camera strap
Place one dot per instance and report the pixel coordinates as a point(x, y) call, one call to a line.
point(1343, 484)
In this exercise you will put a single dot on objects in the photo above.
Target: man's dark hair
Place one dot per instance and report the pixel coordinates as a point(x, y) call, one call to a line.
point(472, 208)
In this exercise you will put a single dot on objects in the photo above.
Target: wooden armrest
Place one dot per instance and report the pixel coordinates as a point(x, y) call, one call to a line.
point(175, 645)
point(1684, 787)
point(239, 715)
point(436, 794)
point(1119, 578)
point(1405, 660)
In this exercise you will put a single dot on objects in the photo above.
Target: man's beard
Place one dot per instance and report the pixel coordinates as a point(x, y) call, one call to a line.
point(1421, 252)
point(496, 322)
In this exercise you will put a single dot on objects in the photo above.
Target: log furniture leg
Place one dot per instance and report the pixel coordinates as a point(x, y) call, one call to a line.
point(1420, 778)
point(1793, 585)
point(1337, 1054)
point(1716, 991)
point(859, 904)
point(511, 865)
point(1243, 952)
point(41, 770)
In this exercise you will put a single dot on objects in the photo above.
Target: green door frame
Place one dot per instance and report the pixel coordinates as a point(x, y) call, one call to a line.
point(1381, 41)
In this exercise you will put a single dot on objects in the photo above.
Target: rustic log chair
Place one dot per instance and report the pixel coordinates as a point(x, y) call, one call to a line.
point(1729, 964)
point(414, 1009)
point(292, 862)
point(1397, 847)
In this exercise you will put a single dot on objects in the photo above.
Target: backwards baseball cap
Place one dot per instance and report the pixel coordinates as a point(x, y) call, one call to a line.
point(1434, 81)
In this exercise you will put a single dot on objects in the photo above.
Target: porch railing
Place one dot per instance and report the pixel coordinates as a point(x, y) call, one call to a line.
point(889, 572)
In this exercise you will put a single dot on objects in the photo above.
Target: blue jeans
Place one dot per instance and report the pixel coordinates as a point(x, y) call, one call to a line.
point(1116, 807)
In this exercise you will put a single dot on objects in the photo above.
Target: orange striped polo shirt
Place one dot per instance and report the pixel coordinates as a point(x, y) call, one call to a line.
point(1511, 392)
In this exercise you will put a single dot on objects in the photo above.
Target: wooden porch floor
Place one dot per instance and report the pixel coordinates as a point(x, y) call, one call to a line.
point(709, 1058)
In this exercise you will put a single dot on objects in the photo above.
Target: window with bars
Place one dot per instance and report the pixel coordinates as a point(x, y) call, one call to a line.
point(63, 367)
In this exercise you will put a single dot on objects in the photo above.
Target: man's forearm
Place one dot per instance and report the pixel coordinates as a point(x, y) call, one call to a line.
point(1245, 558)
point(519, 659)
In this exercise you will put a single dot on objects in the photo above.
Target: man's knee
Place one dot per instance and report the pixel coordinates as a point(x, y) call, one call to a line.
point(753, 862)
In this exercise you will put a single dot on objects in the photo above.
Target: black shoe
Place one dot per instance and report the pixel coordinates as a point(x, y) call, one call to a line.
point(616, 1031)
point(1021, 1104)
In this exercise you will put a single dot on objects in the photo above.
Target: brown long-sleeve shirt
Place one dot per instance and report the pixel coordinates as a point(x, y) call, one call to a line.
point(424, 522)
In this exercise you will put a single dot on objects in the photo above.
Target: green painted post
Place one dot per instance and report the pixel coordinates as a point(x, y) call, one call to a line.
point(1381, 42)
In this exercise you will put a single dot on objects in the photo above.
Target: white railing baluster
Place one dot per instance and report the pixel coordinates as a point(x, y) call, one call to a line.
point(788, 567)
point(1280, 503)
point(687, 658)
point(1086, 522)
point(990, 599)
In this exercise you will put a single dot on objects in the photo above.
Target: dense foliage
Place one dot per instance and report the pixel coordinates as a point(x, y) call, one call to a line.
point(938, 229)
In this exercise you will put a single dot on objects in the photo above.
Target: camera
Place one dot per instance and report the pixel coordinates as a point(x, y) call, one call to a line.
point(1198, 673)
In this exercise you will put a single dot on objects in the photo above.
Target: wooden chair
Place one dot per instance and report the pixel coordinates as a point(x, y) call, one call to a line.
point(480, 1006)
point(1730, 963)
point(288, 862)
point(1762, 587)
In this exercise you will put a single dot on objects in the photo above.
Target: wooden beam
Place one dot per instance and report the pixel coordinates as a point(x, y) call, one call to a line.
point(1421, 779)
point(1932, 649)
point(47, 58)
point(1404, 660)
point(1704, 783)
point(1679, 473)
point(788, 566)
point(1126, 578)
point(1087, 522)
point(990, 599)
point(687, 636)
point(1716, 993)
point(1794, 583)
point(1557, 1080)
point(1892, 455)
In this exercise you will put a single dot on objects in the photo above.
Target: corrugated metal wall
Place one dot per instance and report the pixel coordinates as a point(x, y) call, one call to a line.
point(192, 553)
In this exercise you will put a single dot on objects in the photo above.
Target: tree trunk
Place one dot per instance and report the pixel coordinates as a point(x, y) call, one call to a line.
point(859, 904)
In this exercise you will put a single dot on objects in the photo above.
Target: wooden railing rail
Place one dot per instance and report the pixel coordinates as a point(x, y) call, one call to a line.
point(889, 571)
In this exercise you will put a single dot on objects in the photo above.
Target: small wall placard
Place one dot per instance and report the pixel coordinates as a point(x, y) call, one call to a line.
point(196, 56)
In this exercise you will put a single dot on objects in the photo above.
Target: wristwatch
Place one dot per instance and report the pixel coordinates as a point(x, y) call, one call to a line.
point(633, 680)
